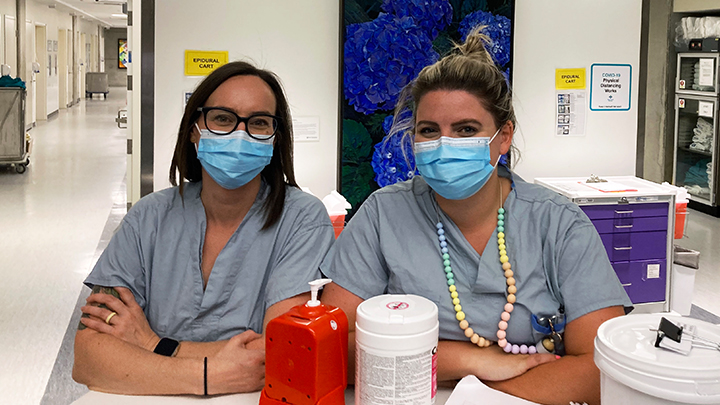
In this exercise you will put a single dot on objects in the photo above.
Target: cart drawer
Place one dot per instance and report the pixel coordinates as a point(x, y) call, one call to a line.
point(644, 280)
point(611, 211)
point(635, 245)
point(631, 224)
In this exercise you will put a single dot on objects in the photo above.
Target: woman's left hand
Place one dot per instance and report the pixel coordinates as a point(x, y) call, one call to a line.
point(129, 324)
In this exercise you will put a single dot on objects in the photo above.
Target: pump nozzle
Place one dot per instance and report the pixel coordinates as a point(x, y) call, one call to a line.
point(315, 286)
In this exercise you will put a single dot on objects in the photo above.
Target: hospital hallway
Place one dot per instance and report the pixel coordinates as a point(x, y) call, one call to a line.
point(58, 216)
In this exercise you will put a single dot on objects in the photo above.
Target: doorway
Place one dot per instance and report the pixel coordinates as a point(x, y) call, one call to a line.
point(29, 75)
point(43, 49)
point(62, 70)
point(10, 45)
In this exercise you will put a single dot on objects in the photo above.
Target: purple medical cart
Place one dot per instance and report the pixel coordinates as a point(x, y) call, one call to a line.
point(635, 219)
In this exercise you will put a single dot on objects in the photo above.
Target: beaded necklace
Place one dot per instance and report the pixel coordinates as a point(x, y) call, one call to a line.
point(509, 279)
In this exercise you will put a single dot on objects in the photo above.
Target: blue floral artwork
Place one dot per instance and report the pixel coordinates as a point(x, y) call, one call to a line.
point(386, 45)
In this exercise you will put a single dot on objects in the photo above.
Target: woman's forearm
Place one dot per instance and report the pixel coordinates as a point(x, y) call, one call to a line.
point(572, 378)
point(105, 363)
point(199, 350)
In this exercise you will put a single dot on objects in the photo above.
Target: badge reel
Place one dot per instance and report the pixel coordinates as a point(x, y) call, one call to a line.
point(547, 330)
point(681, 338)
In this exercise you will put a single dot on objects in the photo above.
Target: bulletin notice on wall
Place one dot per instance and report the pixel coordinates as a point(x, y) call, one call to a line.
point(571, 102)
point(610, 87)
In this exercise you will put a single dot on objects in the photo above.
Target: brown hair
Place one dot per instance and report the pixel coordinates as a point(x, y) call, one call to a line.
point(468, 67)
point(277, 174)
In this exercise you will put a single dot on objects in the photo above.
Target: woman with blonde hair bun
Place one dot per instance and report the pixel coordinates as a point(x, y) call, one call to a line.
point(518, 273)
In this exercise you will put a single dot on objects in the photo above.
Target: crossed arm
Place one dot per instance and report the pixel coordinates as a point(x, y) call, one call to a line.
point(539, 378)
point(118, 357)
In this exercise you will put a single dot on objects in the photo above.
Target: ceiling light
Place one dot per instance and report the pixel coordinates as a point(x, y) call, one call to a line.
point(118, 15)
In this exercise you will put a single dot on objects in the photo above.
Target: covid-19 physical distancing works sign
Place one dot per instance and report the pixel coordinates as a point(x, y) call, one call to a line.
point(611, 87)
point(202, 63)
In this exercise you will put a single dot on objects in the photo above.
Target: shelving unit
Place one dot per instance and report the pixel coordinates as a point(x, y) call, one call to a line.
point(697, 96)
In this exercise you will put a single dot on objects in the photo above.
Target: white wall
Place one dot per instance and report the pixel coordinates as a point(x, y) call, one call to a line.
point(554, 34)
point(53, 19)
point(296, 40)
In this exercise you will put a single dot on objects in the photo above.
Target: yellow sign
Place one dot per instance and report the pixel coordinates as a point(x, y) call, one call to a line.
point(201, 63)
point(569, 79)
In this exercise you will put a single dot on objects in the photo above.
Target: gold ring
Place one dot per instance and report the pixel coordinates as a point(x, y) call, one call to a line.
point(109, 317)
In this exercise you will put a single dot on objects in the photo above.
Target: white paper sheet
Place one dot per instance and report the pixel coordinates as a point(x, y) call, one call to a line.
point(469, 389)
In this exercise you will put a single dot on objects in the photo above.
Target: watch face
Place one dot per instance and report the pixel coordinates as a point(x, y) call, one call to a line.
point(166, 347)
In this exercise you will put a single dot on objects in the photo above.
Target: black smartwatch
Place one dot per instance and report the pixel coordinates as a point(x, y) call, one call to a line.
point(167, 347)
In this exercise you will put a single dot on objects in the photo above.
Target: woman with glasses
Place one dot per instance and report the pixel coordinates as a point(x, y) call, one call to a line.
point(194, 273)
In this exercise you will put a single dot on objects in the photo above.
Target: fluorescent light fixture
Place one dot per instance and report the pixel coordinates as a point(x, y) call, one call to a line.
point(118, 16)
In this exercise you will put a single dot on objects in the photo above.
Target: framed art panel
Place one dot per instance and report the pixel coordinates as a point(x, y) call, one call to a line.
point(122, 53)
point(385, 45)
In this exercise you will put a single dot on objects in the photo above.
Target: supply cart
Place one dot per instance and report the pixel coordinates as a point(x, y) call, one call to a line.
point(14, 145)
point(96, 82)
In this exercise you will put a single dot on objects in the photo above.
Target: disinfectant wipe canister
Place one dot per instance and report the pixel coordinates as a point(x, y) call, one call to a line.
point(396, 338)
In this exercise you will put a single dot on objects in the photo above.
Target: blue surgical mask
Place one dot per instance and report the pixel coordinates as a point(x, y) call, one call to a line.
point(456, 168)
point(234, 159)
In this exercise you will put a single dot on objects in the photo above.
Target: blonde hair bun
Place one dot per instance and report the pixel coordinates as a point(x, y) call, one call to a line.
point(475, 46)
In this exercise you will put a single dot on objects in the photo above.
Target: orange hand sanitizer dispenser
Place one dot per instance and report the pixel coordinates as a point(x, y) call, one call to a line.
point(306, 354)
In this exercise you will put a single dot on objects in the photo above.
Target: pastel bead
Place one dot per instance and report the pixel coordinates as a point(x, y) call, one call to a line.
point(458, 308)
point(501, 217)
point(504, 259)
point(501, 210)
point(475, 338)
point(502, 325)
point(510, 281)
point(506, 266)
point(501, 334)
point(441, 231)
point(523, 349)
point(509, 273)
point(502, 342)
point(515, 349)
point(505, 316)
point(445, 256)
point(469, 332)
point(451, 282)
point(501, 223)
point(439, 225)
point(507, 348)
point(503, 252)
point(532, 350)
point(501, 229)
point(443, 244)
point(454, 294)
point(502, 247)
point(509, 307)
point(448, 269)
point(460, 316)
point(464, 325)
point(501, 241)
point(456, 301)
point(512, 289)
point(444, 250)
point(450, 275)
point(441, 238)
point(501, 235)
point(511, 298)
point(452, 288)
point(446, 262)
point(481, 342)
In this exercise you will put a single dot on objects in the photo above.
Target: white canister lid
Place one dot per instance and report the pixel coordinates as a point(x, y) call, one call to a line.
point(397, 315)
point(625, 350)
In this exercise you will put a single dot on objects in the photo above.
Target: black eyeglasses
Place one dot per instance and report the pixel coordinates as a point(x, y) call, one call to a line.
point(222, 121)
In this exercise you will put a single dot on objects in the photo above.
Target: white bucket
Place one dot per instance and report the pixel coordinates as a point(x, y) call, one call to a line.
point(396, 338)
point(683, 285)
point(633, 371)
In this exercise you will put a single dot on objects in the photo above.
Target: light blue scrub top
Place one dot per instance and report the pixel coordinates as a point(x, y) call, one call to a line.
point(156, 253)
point(391, 247)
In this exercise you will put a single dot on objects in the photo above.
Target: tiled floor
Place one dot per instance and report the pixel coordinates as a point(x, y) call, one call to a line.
point(51, 219)
point(56, 218)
